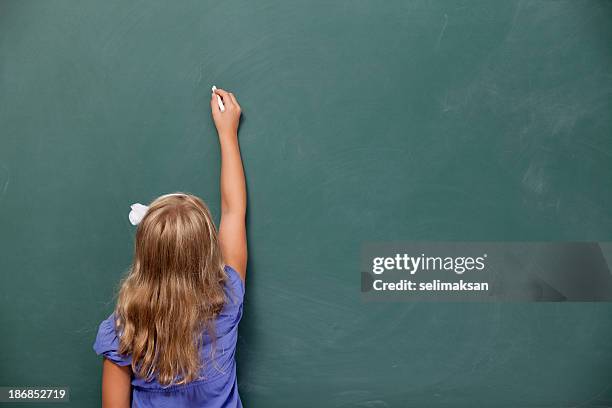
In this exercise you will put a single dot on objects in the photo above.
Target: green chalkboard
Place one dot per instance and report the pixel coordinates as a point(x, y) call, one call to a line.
point(363, 121)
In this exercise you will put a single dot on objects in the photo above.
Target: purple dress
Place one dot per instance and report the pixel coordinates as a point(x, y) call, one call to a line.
point(218, 386)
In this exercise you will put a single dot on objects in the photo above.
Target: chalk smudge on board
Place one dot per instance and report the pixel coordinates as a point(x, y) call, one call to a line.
point(534, 178)
point(4, 180)
point(442, 31)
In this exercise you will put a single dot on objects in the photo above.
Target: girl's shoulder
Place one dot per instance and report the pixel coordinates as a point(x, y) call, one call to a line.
point(232, 311)
point(234, 281)
point(107, 342)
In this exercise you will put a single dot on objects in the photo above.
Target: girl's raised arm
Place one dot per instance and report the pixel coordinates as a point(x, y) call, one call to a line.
point(232, 228)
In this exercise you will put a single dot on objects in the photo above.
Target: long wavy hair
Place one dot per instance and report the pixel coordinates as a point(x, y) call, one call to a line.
point(174, 289)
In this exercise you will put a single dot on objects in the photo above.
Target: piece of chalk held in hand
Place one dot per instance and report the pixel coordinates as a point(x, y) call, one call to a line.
point(219, 101)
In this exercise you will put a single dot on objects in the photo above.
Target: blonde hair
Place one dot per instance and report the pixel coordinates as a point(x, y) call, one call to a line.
point(173, 291)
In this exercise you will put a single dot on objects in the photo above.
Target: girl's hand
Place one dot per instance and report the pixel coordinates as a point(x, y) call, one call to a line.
point(226, 122)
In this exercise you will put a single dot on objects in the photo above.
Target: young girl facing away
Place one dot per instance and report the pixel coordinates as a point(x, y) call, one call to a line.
point(172, 338)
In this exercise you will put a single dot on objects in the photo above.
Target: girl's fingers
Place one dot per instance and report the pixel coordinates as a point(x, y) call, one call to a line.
point(224, 95)
point(213, 101)
point(221, 92)
point(212, 98)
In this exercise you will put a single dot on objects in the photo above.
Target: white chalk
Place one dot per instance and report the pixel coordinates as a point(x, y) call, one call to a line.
point(219, 101)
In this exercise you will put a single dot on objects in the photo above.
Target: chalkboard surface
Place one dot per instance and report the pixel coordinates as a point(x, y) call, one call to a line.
point(363, 121)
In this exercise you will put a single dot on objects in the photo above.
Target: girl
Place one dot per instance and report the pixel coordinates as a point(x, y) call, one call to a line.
point(171, 339)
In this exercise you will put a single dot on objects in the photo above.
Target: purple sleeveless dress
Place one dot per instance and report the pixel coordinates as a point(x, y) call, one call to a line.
point(217, 387)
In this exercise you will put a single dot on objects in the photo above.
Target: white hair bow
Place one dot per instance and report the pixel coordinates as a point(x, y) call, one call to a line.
point(138, 212)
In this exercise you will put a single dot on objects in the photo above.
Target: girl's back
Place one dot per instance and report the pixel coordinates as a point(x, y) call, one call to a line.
point(217, 387)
